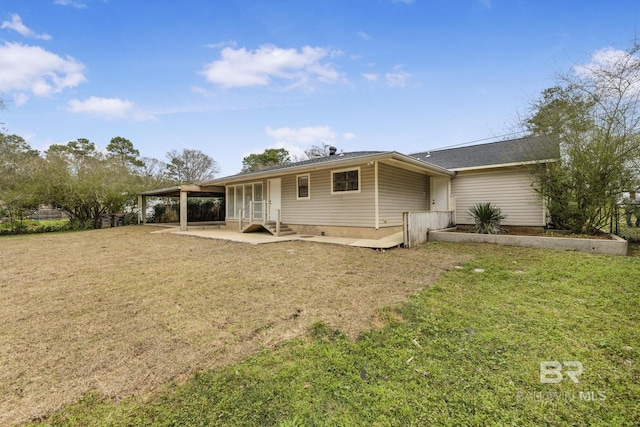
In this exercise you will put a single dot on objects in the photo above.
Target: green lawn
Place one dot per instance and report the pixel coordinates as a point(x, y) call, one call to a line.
point(466, 351)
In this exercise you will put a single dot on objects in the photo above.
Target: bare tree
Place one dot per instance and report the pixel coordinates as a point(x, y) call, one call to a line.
point(190, 166)
point(3, 107)
point(318, 150)
point(594, 112)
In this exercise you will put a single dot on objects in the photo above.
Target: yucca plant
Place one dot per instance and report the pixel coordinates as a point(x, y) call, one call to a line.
point(487, 219)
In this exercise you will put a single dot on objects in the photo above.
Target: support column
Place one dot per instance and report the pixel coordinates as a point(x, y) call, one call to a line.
point(142, 209)
point(183, 210)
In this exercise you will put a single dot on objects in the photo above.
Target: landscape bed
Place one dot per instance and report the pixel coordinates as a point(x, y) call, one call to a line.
point(612, 245)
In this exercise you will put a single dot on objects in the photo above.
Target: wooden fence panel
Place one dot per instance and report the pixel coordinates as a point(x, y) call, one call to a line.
point(417, 225)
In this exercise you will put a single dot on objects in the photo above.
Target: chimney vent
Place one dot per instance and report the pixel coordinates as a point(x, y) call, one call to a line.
point(332, 151)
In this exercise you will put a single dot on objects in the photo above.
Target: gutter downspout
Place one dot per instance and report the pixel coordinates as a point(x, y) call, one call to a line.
point(376, 198)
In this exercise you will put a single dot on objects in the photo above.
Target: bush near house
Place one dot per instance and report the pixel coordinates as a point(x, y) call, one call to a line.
point(487, 219)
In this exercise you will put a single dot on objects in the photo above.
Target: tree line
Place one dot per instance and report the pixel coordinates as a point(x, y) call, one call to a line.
point(85, 182)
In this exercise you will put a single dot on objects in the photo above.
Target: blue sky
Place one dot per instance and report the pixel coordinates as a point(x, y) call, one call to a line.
point(234, 77)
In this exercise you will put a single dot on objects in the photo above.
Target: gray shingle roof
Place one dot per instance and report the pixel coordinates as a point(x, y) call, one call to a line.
point(532, 148)
point(317, 160)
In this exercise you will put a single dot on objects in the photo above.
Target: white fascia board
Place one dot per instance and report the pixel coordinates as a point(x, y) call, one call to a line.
point(504, 165)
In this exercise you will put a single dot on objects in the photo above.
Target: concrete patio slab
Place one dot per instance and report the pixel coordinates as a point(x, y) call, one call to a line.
point(258, 238)
point(384, 243)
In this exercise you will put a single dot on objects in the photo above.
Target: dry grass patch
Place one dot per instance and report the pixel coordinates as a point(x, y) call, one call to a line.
point(123, 311)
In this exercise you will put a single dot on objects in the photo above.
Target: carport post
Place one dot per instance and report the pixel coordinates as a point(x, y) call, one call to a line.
point(183, 210)
point(142, 209)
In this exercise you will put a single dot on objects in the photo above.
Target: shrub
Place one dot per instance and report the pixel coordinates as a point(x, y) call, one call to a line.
point(487, 219)
point(34, 227)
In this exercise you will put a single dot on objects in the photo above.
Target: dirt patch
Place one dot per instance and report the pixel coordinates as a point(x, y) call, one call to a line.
point(122, 311)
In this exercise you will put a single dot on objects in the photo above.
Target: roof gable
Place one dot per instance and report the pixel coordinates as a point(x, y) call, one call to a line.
point(501, 153)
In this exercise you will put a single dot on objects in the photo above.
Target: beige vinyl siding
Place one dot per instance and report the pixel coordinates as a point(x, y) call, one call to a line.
point(510, 189)
point(400, 191)
point(356, 209)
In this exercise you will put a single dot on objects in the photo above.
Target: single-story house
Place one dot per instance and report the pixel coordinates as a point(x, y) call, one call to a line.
point(501, 173)
point(365, 194)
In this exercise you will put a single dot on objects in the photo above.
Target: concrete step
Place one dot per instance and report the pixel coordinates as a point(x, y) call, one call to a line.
point(285, 230)
point(271, 228)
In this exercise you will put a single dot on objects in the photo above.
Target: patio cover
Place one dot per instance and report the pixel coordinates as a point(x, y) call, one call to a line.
point(183, 192)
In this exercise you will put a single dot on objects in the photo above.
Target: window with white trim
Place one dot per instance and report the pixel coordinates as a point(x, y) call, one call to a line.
point(304, 187)
point(347, 180)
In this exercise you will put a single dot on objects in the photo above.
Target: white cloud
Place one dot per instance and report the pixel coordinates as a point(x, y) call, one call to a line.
point(486, 3)
point(403, 1)
point(348, 136)
point(16, 25)
point(108, 108)
point(202, 91)
point(604, 59)
point(295, 141)
point(104, 107)
point(20, 98)
point(31, 69)
point(372, 77)
point(220, 45)
point(363, 35)
point(242, 68)
point(611, 62)
point(307, 135)
point(71, 3)
point(397, 78)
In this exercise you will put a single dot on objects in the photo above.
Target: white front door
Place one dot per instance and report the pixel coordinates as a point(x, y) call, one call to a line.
point(439, 193)
point(275, 190)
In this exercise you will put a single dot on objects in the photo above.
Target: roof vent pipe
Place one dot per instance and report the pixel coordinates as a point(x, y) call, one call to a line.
point(332, 151)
